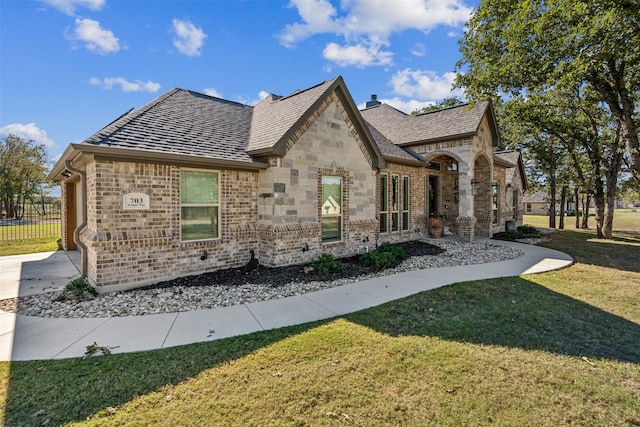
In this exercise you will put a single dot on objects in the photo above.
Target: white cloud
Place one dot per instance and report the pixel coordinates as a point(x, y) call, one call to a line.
point(94, 37)
point(366, 25)
point(126, 86)
point(261, 95)
point(424, 84)
point(189, 39)
point(357, 55)
point(419, 50)
point(318, 17)
point(212, 92)
point(27, 131)
point(69, 6)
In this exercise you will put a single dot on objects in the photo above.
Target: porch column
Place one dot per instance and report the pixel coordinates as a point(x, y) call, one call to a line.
point(466, 220)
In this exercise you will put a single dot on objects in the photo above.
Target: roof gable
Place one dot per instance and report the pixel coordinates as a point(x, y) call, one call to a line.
point(276, 119)
point(451, 123)
point(511, 160)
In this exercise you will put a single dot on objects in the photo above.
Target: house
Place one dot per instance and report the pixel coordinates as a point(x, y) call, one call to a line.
point(537, 203)
point(191, 183)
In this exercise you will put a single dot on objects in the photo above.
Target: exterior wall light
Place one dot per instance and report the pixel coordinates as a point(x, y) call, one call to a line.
point(474, 187)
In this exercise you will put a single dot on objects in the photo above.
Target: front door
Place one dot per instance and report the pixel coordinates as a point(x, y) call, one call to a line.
point(433, 193)
point(70, 216)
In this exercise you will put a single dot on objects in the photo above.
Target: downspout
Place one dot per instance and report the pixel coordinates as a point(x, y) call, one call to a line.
point(83, 224)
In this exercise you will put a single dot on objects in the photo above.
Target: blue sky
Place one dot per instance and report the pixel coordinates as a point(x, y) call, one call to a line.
point(69, 67)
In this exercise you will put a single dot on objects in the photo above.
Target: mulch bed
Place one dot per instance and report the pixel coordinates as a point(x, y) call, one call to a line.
point(280, 276)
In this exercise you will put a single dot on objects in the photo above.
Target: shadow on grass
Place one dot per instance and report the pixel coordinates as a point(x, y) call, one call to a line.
point(622, 252)
point(56, 392)
point(509, 312)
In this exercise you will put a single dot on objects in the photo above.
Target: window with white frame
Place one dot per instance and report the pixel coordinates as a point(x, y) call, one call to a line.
point(405, 202)
point(384, 202)
point(331, 216)
point(199, 205)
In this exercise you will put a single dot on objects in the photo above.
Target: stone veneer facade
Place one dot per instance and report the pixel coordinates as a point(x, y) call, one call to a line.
point(276, 211)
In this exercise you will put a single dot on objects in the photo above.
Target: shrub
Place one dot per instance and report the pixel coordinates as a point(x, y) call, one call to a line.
point(77, 290)
point(326, 264)
point(522, 232)
point(528, 231)
point(384, 256)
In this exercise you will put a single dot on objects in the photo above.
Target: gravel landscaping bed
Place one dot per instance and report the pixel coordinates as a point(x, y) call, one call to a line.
point(233, 287)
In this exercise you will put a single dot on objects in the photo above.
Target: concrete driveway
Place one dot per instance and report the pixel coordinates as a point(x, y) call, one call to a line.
point(37, 273)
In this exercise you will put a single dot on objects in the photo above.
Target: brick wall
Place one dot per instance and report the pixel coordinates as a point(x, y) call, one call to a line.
point(132, 248)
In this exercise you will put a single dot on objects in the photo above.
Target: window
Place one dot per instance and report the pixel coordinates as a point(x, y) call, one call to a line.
point(384, 203)
point(395, 202)
point(331, 209)
point(405, 202)
point(515, 204)
point(199, 205)
point(494, 201)
point(528, 207)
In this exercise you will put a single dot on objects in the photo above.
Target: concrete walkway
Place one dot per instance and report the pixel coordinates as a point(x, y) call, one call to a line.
point(34, 338)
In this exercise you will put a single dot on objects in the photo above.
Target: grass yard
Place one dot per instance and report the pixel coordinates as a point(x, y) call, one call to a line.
point(29, 246)
point(559, 348)
point(29, 238)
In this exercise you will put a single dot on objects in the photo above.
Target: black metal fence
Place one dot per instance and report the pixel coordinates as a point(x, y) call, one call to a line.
point(32, 221)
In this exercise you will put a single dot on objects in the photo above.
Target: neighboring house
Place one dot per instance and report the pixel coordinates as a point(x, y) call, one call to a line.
point(191, 183)
point(537, 203)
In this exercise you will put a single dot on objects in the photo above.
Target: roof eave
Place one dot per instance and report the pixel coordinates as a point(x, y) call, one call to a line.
point(439, 139)
point(59, 167)
point(145, 156)
point(405, 161)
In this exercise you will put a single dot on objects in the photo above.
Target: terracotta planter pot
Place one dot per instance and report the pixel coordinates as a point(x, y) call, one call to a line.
point(436, 226)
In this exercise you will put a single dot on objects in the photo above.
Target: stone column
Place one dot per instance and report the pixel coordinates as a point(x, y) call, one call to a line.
point(466, 227)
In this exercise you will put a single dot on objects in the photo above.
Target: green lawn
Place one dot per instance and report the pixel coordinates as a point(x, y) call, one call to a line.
point(30, 238)
point(29, 246)
point(559, 348)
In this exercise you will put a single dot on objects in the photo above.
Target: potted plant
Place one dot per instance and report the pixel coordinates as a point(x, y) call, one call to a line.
point(436, 224)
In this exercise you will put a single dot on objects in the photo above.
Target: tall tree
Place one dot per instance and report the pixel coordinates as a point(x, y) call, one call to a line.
point(22, 172)
point(515, 47)
point(445, 103)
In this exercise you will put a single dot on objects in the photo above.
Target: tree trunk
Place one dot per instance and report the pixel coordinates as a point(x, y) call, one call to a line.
point(576, 195)
point(598, 201)
point(563, 200)
point(586, 201)
point(552, 206)
point(611, 176)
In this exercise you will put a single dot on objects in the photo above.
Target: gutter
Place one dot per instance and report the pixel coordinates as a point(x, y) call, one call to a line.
point(83, 224)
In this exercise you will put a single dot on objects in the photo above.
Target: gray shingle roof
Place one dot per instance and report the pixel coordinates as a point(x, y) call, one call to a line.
point(405, 129)
point(537, 197)
point(391, 151)
point(513, 158)
point(274, 116)
point(508, 156)
point(183, 122)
